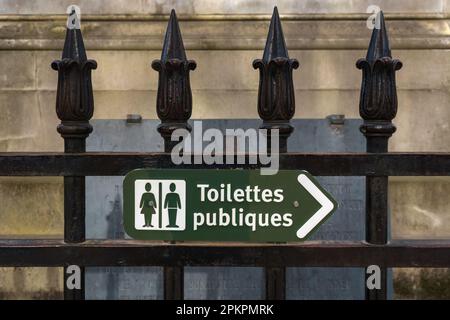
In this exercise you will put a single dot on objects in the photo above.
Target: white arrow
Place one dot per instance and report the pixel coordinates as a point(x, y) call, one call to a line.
point(327, 206)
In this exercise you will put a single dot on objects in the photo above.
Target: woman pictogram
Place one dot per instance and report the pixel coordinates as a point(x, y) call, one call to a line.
point(148, 205)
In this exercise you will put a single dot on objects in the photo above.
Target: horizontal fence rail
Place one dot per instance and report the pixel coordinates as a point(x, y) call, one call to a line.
point(320, 164)
point(53, 253)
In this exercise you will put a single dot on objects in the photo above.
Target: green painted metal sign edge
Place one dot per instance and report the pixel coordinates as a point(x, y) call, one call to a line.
point(238, 205)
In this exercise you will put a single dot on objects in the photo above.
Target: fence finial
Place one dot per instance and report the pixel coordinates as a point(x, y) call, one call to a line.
point(379, 42)
point(74, 97)
point(378, 100)
point(276, 99)
point(174, 99)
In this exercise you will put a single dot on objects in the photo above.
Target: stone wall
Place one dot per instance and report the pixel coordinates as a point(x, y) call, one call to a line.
point(224, 37)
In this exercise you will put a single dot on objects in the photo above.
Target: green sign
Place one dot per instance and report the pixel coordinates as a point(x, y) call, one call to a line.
point(223, 205)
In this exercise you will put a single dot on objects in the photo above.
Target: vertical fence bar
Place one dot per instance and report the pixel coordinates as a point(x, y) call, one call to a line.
point(74, 107)
point(276, 106)
point(173, 276)
point(174, 108)
point(378, 107)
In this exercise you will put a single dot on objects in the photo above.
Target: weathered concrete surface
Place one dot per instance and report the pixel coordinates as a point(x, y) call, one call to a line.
point(430, 283)
point(420, 210)
point(221, 6)
point(232, 70)
point(31, 283)
point(218, 32)
point(31, 207)
point(327, 83)
point(124, 283)
point(420, 207)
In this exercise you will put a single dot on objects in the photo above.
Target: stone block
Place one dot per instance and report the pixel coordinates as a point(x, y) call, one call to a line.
point(222, 7)
point(18, 70)
point(420, 207)
point(31, 207)
point(31, 283)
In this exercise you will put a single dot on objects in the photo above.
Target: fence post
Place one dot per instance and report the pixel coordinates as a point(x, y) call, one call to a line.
point(74, 107)
point(276, 106)
point(174, 108)
point(378, 107)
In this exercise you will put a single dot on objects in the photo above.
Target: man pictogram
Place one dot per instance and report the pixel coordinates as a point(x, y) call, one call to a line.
point(172, 203)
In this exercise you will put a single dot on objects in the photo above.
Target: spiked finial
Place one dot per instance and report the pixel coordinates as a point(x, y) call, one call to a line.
point(276, 101)
point(74, 97)
point(275, 44)
point(378, 100)
point(173, 47)
point(74, 45)
point(174, 99)
point(379, 42)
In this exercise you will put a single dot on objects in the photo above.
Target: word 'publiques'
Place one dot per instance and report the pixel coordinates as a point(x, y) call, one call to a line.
point(236, 217)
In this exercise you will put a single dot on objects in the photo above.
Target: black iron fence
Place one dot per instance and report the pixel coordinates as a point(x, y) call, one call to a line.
point(276, 106)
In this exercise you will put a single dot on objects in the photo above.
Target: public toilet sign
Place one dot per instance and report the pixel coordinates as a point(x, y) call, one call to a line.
point(223, 205)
